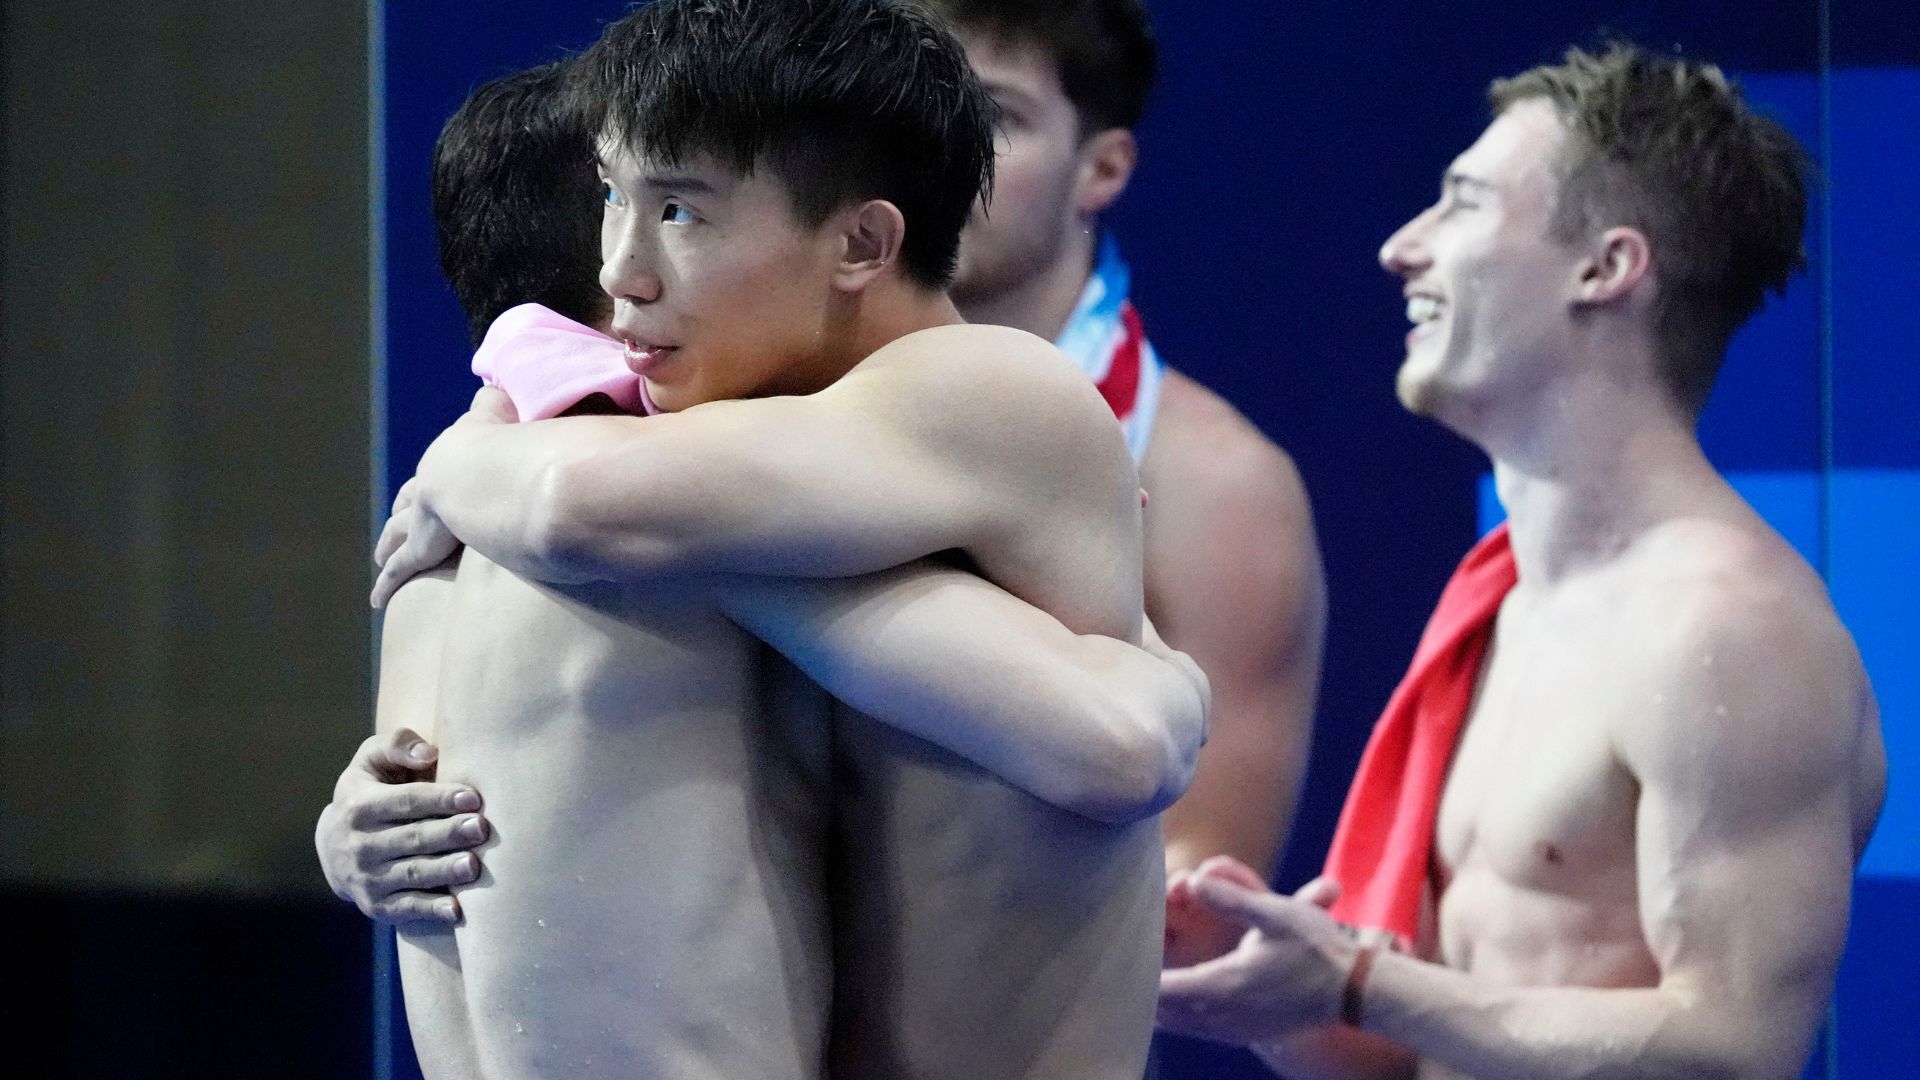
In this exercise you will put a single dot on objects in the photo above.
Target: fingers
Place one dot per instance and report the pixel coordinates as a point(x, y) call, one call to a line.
point(385, 585)
point(392, 535)
point(424, 544)
point(401, 751)
point(492, 404)
point(422, 874)
point(1228, 868)
point(394, 532)
point(1241, 905)
point(1321, 892)
point(434, 836)
point(1178, 883)
point(391, 804)
point(407, 559)
point(415, 907)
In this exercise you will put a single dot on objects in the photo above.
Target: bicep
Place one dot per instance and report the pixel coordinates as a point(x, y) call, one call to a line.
point(1744, 839)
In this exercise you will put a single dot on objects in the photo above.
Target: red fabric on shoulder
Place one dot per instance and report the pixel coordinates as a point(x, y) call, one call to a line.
point(1382, 845)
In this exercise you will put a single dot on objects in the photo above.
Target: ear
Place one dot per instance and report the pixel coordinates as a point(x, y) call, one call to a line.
point(870, 237)
point(1622, 258)
point(1106, 164)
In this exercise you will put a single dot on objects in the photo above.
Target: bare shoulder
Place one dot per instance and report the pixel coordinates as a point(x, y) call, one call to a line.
point(999, 363)
point(1755, 680)
point(1231, 548)
point(1207, 457)
point(1704, 581)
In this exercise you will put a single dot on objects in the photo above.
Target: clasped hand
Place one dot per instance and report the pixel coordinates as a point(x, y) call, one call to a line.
point(1246, 964)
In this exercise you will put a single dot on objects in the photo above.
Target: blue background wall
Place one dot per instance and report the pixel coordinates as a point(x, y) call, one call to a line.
point(1285, 143)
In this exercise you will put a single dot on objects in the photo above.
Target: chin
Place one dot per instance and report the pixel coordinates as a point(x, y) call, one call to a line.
point(1416, 389)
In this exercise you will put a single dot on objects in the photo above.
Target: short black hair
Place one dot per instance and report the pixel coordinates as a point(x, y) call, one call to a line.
point(516, 201)
point(1104, 49)
point(841, 100)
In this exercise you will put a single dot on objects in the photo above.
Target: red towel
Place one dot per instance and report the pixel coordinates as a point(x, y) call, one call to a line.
point(1381, 848)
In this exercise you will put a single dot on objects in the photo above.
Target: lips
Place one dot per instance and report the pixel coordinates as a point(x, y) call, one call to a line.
point(642, 357)
point(1424, 311)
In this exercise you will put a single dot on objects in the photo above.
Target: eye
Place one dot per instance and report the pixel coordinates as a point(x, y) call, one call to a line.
point(675, 214)
point(610, 194)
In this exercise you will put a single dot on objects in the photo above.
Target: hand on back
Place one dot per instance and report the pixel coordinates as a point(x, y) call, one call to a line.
point(392, 841)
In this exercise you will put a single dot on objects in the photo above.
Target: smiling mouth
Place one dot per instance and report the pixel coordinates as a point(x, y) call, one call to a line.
point(1422, 310)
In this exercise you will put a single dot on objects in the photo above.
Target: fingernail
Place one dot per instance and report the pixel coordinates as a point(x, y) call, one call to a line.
point(447, 909)
point(420, 752)
point(466, 800)
point(470, 829)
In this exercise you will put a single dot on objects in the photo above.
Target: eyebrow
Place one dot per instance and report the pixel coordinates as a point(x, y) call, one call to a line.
point(677, 182)
point(1458, 179)
point(1013, 94)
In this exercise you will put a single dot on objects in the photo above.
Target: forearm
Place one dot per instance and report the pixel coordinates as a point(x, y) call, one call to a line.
point(781, 486)
point(1549, 1033)
point(1087, 723)
point(499, 488)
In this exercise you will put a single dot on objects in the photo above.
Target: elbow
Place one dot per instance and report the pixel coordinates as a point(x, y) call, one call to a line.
point(557, 534)
point(574, 536)
point(1145, 761)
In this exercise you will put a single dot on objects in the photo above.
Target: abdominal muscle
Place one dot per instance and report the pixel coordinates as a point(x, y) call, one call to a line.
point(652, 902)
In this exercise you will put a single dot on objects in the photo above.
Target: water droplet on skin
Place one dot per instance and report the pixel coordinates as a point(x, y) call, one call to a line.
point(539, 922)
point(517, 1029)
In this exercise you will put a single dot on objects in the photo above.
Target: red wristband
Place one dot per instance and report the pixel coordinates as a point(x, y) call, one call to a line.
point(1352, 996)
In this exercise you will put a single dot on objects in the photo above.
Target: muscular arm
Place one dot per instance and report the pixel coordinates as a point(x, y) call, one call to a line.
point(949, 438)
point(1747, 828)
point(1745, 847)
point(1091, 724)
point(1234, 579)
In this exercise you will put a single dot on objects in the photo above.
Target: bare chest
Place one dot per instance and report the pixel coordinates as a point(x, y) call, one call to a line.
point(1538, 809)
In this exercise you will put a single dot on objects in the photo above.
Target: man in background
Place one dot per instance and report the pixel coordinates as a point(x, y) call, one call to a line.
point(1233, 571)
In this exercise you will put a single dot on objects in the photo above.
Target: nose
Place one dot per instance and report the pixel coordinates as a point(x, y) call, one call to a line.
point(1405, 252)
point(628, 268)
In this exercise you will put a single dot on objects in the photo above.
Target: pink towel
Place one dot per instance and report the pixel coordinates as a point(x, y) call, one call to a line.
point(547, 363)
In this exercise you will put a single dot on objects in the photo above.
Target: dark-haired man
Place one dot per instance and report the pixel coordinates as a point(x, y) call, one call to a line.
point(1638, 859)
point(1232, 569)
point(762, 166)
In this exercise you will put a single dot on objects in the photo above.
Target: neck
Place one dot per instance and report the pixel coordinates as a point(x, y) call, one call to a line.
point(1041, 302)
point(884, 312)
point(1593, 468)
